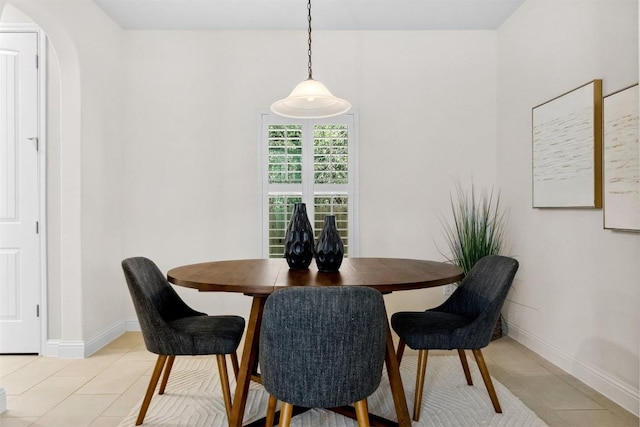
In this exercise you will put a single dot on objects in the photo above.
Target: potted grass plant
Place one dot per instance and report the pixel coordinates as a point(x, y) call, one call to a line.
point(477, 229)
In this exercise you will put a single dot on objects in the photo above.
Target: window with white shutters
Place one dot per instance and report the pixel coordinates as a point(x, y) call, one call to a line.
point(309, 161)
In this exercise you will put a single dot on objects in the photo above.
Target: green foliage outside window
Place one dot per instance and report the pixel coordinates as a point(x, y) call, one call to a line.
point(330, 167)
point(331, 154)
point(280, 211)
point(285, 154)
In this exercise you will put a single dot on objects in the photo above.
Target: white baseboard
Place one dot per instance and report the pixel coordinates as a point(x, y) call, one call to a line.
point(3, 400)
point(51, 348)
point(81, 349)
point(71, 350)
point(64, 349)
point(132, 325)
point(104, 338)
point(623, 394)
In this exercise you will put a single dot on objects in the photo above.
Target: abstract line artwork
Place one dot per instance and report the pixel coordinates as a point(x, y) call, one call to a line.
point(621, 160)
point(567, 149)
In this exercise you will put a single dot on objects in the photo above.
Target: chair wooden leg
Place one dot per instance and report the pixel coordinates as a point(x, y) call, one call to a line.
point(167, 371)
point(400, 351)
point(465, 366)
point(422, 369)
point(286, 411)
point(157, 370)
point(487, 379)
point(271, 411)
point(234, 364)
point(362, 413)
point(224, 382)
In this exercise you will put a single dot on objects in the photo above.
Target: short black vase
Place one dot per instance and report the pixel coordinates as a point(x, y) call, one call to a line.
point(298, 239)
point(329, 247)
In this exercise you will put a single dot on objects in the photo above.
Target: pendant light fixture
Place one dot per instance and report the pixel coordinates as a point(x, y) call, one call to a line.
point(310, 99)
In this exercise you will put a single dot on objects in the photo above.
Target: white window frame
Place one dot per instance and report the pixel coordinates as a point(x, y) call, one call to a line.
point(308, 186)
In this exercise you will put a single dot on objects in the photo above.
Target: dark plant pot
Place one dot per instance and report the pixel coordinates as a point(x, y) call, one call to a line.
point(298, 239)
point(497, 331)
point(329, 248)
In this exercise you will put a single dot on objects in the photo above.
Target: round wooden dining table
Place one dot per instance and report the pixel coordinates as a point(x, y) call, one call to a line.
point(260, 277)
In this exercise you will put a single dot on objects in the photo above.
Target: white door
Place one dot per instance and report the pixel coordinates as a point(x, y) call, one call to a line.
point(19, 195)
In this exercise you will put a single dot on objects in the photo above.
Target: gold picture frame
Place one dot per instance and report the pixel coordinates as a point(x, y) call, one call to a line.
point(567, 149)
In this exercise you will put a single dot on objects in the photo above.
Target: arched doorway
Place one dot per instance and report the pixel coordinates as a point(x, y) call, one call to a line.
point(62, 321)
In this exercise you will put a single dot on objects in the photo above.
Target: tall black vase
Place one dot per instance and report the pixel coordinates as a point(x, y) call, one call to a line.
point(298, 239)
point(329, 247)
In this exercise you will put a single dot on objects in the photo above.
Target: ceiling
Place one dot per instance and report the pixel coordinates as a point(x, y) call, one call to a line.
point(326, 14)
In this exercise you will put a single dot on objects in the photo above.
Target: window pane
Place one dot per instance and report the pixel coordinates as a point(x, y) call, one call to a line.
point(285, 154)
point(332, 204)
point(331, 154)
point(280, 211)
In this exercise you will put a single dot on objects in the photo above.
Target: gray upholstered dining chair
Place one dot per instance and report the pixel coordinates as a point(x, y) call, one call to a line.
point(322, 347)
point(464, 321)
point(171, 328)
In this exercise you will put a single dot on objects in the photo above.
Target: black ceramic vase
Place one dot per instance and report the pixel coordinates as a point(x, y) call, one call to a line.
point(298, 239)
point(329, 247)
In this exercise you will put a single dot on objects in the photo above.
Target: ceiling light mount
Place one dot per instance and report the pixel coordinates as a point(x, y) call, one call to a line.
point(310, 99)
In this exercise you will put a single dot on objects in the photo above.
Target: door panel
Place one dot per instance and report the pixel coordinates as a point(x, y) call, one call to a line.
point(19, 194)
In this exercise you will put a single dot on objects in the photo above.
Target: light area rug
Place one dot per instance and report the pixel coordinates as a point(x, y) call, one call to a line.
point(193, 399)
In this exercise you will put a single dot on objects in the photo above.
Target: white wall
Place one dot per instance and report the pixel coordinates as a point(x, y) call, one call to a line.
point(426, 103)
point(104, 299)
point(54, 229)
point(576, 300)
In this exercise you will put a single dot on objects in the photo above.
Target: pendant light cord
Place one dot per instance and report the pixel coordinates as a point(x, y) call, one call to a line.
point(310, 99)
point(309, 39)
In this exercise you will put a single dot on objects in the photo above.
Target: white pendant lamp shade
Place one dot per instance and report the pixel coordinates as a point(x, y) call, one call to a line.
point(310, 99)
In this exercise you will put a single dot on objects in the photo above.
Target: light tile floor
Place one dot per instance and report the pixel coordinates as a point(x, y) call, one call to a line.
point(101, 390)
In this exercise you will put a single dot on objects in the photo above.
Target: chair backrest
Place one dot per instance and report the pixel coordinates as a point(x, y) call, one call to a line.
point(156, 303)
point(482, 293)
point(323, 346)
